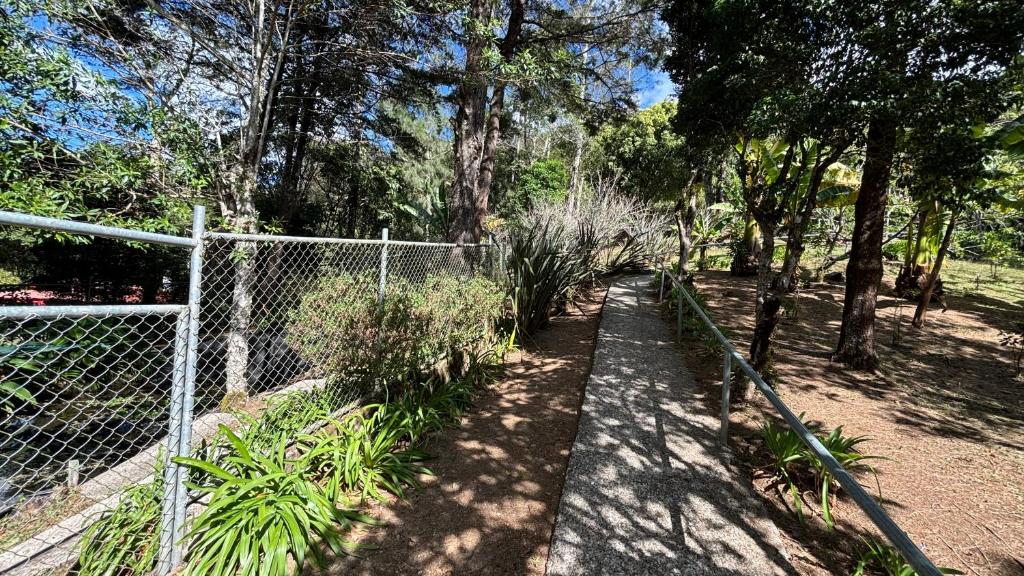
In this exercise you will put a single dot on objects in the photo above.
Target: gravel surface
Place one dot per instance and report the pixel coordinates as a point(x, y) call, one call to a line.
point(648, 490)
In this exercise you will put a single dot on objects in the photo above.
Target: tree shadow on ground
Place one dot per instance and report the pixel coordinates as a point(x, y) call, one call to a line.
point(491, 504)
point(951, 378)
point(649, 490)
point(945, 412)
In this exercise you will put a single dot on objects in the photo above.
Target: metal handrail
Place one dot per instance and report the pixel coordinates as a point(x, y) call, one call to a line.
point(910, 551)
point(325, 240)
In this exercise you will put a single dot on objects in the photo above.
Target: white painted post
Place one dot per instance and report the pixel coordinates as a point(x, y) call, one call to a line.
point(74, 466)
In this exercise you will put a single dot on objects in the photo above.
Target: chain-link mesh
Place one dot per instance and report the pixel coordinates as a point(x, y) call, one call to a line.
point(87, 397)
point(85, 400)
point(253, 288)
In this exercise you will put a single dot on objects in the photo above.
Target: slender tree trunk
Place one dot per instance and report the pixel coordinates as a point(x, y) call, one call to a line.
point(933, 276)
point(490, 152)
point(767, 304)
point(856, 346)
point(244, 257)
point(239, 205)
point(686, 214)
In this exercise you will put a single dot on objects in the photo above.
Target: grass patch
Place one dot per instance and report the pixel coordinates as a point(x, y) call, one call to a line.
point(30, 517)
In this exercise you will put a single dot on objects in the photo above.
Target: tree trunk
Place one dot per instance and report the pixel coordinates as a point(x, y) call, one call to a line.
point(243, 218)
point(766, 309)
point(686, 214)
point(786, 281)
point(933, 276)
point(478, 127)
point(469, 131)
point(744, 260)
point(856, 346)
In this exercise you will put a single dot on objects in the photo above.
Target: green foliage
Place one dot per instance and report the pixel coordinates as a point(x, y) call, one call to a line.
point(73, 145)
point(797, 465)
point(366, 454)
point(341, 326)
point(788, 454)
point(844, 450)
point(264, 509)
point(644, 152)
point(895, 249)
point(125, 540)
point(545, 181)
point(881, 558)
point(287, 415)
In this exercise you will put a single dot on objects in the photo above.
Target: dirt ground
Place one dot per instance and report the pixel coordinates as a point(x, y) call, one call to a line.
point(946, 413)
point(490, 507)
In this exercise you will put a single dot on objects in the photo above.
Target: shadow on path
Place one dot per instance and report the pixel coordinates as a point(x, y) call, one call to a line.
point(648, 490)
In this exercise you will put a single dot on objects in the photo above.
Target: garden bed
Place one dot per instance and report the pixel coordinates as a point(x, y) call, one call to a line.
point(491, 505)
point(945, 413)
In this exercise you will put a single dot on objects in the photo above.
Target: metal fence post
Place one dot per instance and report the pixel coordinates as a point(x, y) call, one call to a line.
point(383, 264)
point(661, 289)
point(168, 529)
point(179, 439)
point(723, 432)
point(195, 277)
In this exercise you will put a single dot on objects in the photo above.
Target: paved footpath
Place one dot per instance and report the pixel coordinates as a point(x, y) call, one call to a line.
point(647, 490)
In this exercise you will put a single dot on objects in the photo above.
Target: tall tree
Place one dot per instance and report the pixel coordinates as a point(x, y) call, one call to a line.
point(916, 66)
point(525, 45)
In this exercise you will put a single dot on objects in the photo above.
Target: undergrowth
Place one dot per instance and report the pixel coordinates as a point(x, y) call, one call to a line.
point(880, 558)
point(278, 494)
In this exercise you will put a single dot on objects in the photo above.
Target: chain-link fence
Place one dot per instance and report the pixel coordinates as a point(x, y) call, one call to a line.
point(95, 400)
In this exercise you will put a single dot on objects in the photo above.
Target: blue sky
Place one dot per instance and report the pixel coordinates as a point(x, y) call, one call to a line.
point(653, 87)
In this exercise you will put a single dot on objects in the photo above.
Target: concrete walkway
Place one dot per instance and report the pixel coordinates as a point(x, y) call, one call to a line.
point(647, 490)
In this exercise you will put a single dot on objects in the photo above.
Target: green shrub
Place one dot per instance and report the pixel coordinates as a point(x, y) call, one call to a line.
point(264, 511)
point(544, 271)
point(895, 250)
point(341, 327)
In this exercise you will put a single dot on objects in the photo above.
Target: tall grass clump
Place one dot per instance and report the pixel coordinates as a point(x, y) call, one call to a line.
point(558, 251)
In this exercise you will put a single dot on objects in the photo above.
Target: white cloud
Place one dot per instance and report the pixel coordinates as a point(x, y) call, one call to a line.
point(656, 87)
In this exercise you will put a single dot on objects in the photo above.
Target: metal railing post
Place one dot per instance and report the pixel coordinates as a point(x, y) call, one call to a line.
point(723, 431)
point(383, 265)
point(679, 313)
point(661, 289)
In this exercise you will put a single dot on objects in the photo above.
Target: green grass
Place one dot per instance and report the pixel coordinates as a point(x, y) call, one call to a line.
point(960, 277)
point(966, 278)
